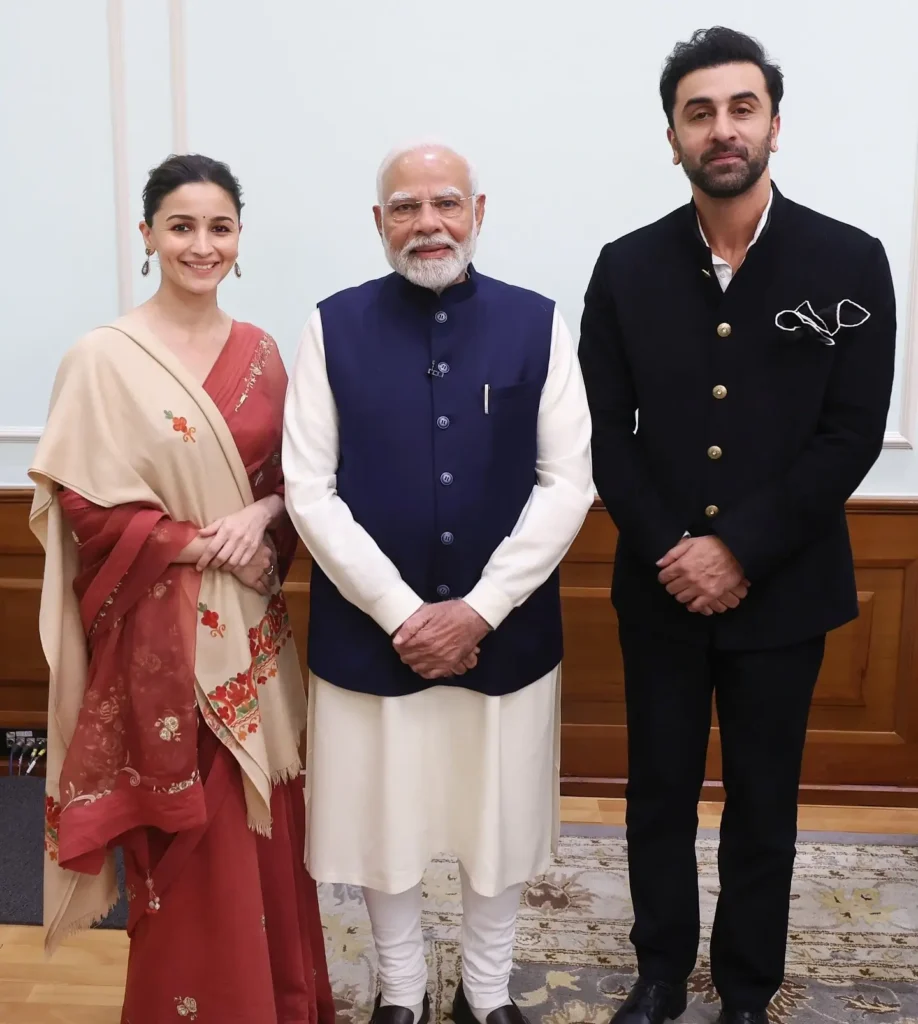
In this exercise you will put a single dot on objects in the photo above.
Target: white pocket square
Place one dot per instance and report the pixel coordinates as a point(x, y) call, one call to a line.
point(804, 317)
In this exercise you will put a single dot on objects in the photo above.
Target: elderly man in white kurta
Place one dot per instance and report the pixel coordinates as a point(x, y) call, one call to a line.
point(437, 465)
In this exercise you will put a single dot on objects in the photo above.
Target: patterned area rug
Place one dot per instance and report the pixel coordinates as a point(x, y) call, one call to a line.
point(853, 953)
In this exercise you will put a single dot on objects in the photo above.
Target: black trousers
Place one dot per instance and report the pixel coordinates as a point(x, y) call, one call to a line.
point(763, 700)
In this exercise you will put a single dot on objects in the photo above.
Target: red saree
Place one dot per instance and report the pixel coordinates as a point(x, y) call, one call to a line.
point(224, 923)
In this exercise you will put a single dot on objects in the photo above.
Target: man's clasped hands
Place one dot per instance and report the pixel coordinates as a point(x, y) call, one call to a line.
point(441, 640)
point(700, 572)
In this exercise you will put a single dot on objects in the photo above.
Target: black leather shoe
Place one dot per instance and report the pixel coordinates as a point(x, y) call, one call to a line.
point(743, 1017)
point(399, 1014)
point(462, 1012)
point(652, 1002)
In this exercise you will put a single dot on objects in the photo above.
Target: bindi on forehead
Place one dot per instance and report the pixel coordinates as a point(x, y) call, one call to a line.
point(219, 218)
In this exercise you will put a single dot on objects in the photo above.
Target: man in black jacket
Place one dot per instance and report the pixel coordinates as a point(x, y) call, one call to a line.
point(754, 340)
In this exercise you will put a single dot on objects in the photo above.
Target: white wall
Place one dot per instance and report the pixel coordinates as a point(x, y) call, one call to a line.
point(556, 103)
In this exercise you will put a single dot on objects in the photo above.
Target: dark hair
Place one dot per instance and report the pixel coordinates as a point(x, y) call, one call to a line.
point(176, 171)
point(712, 48)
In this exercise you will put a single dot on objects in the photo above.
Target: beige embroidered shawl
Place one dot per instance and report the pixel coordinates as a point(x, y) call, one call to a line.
point(108, 440)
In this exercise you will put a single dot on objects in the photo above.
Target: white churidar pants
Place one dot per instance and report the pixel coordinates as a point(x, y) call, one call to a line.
point(488, 930)
point(392, 782)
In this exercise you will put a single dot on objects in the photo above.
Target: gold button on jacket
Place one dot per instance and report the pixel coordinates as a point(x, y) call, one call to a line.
point(719, 391)
point(714, 452)
point(711, 511)
point(724, 330)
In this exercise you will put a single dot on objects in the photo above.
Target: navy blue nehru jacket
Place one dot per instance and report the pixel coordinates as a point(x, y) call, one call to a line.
point(435, 473)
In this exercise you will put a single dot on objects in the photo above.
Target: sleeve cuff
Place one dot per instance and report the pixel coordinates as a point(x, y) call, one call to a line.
point(394, 607)
point(490, 603)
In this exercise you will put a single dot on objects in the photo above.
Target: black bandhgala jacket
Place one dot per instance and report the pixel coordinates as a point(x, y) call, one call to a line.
point(747, 431)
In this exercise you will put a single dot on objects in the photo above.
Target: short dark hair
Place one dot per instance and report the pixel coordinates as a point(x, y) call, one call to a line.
point(712, 48)
point(176, 171)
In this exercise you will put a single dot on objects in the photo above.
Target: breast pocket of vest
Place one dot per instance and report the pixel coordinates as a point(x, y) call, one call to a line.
point(513, 415)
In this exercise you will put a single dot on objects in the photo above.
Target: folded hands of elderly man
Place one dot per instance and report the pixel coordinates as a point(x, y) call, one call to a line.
point(441, 640)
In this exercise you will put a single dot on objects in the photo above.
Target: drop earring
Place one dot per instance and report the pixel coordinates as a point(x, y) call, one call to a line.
point(237, 269)
point(145, 269)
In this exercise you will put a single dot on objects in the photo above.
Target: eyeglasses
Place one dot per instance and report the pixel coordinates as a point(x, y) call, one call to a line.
point(448, 207)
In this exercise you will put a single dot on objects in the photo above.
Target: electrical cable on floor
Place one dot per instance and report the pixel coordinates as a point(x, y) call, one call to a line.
point(29, 752)
point(38, 754)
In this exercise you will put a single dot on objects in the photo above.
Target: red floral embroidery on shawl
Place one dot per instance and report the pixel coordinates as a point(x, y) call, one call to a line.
point(236, 700)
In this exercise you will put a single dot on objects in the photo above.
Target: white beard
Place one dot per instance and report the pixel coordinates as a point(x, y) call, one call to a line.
point(435, 274)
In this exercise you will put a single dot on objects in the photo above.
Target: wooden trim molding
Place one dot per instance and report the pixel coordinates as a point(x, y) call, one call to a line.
point(16, 496)
point(882, 506)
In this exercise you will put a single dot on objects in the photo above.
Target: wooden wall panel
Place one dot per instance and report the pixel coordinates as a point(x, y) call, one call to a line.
point(23, 672)
point(863, 739)
point(862, 744)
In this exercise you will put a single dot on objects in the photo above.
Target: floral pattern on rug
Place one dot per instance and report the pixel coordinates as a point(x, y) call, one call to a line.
point(852, 951)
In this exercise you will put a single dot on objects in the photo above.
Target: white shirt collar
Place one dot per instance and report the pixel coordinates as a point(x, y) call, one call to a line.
point(760, 227)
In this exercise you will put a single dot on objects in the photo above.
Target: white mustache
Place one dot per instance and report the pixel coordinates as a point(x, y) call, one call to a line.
point(440, 240)
point(435, 274)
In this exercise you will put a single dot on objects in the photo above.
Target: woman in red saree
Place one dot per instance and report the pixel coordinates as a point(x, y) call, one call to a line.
point(176, 699)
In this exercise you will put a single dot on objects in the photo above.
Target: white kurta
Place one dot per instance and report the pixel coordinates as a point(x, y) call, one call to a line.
point(392, 781)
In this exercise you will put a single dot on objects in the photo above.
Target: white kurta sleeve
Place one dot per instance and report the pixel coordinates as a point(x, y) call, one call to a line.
point(340, 546)
point(563, 492)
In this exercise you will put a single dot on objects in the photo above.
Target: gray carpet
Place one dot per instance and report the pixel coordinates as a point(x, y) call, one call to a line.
point(22, 805)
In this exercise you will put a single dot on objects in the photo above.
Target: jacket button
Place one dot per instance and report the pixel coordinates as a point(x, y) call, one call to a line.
point(715, 452)
point(711, 511)
point(446, 537)
point(719, 391)
point(446, 479)
point(443, 590)
point(724, 330)
point(441, 317)
point(443, 367)
point(443, 422)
